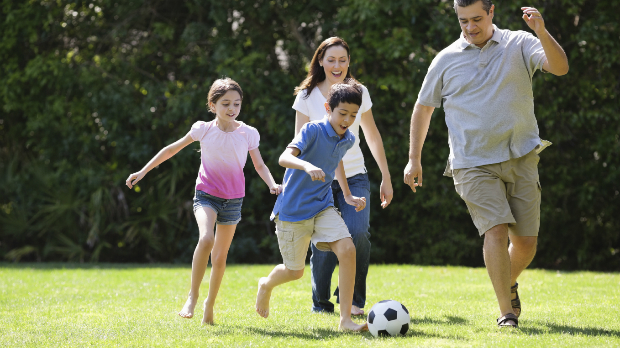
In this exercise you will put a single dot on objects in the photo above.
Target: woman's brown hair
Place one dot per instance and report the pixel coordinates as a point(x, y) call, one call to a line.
point(316, 73)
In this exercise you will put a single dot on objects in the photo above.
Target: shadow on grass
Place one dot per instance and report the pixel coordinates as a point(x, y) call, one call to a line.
point(449, 320)
point(572, 330)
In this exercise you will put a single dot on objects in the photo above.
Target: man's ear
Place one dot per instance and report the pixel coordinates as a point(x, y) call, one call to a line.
point(327, 108)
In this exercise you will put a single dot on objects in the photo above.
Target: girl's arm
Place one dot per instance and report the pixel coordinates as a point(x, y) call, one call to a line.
point(161, 157)
point(358, 202)
point(300, 120)
point(375, 143)
point(288, 159)
point(264, 172)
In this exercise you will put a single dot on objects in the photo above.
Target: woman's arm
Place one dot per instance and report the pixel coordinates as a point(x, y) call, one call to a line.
point(264, 172)
point(163, 155)
point(375, 143)
point(300, 120)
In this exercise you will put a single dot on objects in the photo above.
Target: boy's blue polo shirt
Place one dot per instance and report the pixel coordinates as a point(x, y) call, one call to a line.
point(302, 198)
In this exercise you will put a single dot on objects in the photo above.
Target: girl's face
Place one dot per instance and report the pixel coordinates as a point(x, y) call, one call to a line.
point(335, 62)
point(227, 108)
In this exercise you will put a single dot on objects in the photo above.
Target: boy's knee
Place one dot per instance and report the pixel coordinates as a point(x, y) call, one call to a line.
point(296, 274)
point(345, 248)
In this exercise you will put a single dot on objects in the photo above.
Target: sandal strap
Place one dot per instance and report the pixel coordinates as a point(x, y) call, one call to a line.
point(503, 321)
point(514, 288)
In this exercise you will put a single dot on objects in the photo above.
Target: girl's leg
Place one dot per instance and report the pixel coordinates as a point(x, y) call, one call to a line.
point(223, 237)
point(205, 217)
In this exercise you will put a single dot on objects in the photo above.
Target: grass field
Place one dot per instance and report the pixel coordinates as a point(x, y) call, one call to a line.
point(136, 305)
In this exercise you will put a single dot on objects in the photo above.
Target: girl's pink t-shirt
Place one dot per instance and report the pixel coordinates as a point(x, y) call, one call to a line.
point(223, 156)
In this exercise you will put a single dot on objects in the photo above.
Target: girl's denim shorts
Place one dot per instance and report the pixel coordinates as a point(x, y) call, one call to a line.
point(228, 210)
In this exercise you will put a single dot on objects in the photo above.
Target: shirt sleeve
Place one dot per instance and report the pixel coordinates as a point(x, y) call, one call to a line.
point(366, 102)
point(253, 138)
point(533, 53)
point(301, 104)
point(198, 130)
point(430, 93)
point(307, 135)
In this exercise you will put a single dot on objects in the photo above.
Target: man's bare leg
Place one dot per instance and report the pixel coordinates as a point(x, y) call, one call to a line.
point(522, 251)
point(206, 221)
point(278, 276)
point(223, 237)
point(497, 261)
point(345, 251)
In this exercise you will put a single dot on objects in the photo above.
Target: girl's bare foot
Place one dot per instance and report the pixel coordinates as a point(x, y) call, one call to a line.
point(355, 310)
point(188, 309)
point(207, 318)
point(349, 325)
point(262, 298)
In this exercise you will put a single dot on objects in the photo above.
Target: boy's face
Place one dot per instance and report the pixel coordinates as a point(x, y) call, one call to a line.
point(342, 116)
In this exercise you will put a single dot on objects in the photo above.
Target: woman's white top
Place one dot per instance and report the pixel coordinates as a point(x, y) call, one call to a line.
point(314, 108)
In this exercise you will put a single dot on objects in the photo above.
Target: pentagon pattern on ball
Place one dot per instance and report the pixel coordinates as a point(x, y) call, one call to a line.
point(388, 318)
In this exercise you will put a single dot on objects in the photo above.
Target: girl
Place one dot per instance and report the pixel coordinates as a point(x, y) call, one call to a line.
point(220, 186)
point(330, 65)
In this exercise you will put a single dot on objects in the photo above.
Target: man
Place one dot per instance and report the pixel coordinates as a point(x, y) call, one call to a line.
point(485, 82)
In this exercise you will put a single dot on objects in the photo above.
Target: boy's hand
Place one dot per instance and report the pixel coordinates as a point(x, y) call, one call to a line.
point(315, 173)
point(358, 202)
point(276, 190)
point(134, 178)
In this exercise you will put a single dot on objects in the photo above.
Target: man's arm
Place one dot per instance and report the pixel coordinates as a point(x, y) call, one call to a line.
point(557, 62)
point(420, 120)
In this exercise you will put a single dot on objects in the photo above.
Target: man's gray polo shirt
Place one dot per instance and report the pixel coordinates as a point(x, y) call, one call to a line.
point(487, 97)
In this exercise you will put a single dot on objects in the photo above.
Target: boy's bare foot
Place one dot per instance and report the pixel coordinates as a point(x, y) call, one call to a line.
point(207, 317)
point(262, 298)
point(349, 325)
point(188, 308)
point(355, 310)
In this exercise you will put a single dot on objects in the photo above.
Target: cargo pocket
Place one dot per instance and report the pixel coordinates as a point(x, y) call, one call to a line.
point(286, 238)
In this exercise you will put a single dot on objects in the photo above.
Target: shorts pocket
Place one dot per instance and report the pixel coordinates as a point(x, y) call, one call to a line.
point(286, 238)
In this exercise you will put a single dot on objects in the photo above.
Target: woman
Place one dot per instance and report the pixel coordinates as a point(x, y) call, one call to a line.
point(330, 65)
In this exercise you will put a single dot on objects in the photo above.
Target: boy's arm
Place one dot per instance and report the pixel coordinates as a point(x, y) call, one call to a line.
point(161, 157)
point(358, 202)
point(264, 172)
point(289, 159)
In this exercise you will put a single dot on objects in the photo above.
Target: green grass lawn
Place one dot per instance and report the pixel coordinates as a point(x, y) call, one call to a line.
point(136, 305)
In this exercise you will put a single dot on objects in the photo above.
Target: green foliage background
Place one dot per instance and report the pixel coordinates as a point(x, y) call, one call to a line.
point(91, 90)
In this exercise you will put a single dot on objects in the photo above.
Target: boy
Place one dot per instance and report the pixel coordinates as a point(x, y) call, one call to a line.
point(304, 211)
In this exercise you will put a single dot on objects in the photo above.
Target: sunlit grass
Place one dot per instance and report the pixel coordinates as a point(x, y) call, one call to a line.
point(137, 305)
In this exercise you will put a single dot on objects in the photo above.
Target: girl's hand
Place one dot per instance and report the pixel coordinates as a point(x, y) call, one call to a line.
point(315, 173)
point(358, 202)
point(134, 178)
point(276, 190)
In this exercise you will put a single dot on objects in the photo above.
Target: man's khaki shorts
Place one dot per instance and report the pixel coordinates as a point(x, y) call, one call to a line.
point(503, 193)
point(295, 237)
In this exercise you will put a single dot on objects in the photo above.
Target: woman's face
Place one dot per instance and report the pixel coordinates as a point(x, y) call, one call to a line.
point(335, 62)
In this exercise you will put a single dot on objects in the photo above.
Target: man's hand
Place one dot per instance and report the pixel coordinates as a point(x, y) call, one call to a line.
point(358, 202)
point(534, 19)
point(315, 173)
point(413, 170)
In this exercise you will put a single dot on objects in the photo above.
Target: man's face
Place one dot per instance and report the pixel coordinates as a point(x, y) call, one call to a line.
point(476, 24)
point(342, 116)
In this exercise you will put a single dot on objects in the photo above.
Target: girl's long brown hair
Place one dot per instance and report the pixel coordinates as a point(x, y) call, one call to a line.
point(316, 73)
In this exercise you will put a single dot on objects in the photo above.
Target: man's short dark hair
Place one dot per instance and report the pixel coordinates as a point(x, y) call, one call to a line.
point(346, 92)
point(486, 4)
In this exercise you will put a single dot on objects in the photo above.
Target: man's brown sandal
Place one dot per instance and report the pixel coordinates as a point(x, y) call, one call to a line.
point(508, 320)
point(516, 302)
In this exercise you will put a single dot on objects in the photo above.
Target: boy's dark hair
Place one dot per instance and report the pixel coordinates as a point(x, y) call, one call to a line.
point(220, 87)
point(346, 92)
point(486, 4)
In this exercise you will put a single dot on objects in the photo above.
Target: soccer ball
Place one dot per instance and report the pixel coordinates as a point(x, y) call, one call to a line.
point(388, 318)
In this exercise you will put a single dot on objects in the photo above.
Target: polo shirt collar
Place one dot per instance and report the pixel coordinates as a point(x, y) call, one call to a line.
point(332, 133)
point(497, 37)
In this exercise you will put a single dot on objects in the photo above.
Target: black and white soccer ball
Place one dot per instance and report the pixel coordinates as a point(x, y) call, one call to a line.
point(388, 318)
